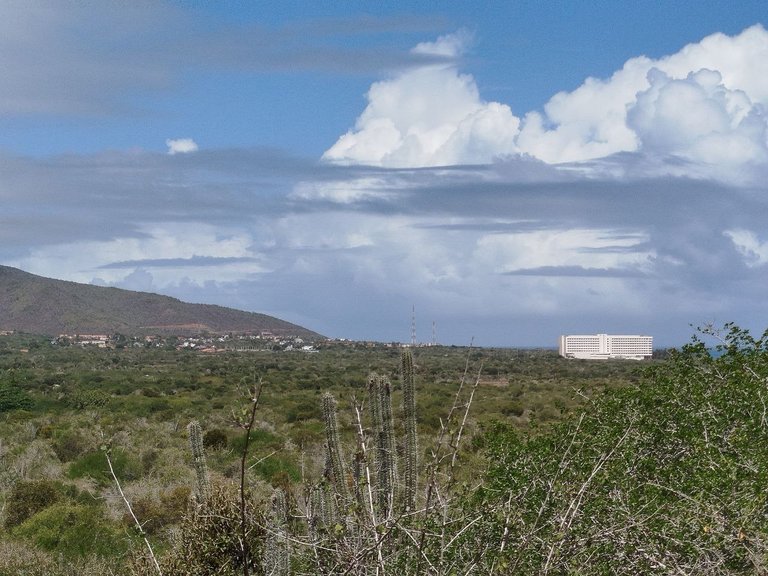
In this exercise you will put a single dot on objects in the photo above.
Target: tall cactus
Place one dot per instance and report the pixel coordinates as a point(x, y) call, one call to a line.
point(321, 512)
point(359, 465)
point(388, 424)
point(380, 397)
point(387, 450)
point(198, 456)
point(334, 455)
point(277, 556)
point(410, 447)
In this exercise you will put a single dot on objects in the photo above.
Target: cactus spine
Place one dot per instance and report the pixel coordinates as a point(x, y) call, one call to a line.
point(198, 456)
point(410, 448)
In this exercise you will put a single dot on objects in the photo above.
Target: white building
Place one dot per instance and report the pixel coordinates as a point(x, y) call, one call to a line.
point(604, 346)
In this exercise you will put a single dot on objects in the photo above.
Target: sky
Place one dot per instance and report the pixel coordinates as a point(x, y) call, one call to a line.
point(510, 171)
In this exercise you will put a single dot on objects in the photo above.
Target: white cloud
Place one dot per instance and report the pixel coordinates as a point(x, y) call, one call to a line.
point(754, 251)
point(428, 116)
point(588, 122)
point(81, 261)
point(706, 97)
point(574, 247)
point(705, 104)
point(698, 118)
point(139, 280)
point(449, 45)
point(341, 192)
point(181, 146)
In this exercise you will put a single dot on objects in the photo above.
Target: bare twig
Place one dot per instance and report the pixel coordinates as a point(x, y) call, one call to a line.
point(363, 454)
point(130, 510)
point(254, 399)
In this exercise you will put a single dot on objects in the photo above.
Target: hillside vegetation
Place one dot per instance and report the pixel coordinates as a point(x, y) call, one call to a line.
point(33, 304)
point(497, 461)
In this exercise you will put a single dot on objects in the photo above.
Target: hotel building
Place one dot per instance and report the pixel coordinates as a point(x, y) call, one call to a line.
point(605, 346)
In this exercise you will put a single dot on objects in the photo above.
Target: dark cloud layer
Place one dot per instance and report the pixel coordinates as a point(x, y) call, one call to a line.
point(439, 238)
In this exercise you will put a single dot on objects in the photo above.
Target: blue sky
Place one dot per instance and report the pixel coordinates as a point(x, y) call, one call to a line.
point(514, 170)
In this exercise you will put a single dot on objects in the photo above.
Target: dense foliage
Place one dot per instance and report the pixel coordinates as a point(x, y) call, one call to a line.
point(559, 467)
point(668, 477)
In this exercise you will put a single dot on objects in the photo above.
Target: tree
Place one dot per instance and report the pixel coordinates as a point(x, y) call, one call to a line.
point(13, 398)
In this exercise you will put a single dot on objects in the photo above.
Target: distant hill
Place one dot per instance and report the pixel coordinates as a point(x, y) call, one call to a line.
point(38, 305)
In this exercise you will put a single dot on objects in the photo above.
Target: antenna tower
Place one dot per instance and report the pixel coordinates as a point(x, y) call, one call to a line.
point(413, 325)
point(434, 334)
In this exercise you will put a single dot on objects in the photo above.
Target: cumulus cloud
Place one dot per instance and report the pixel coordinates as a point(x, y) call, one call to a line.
point(139, 280)
point(698, 118)
point(428, 116)
point(181, 146)
point(704, 104)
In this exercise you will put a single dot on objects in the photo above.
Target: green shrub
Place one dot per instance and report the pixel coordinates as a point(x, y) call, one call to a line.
point(176, 502)
point(154, 514)
point(513, 408)
point(13, 398)
point(94, 465)
point(215, 439)
point(28, 497)
point(259, 440)
point(209, 538)
point(80, 399)
point(305, 409)
point(19, 558)
point(668, 477)
point(73, 530)
point(70, 445)
point(276, 467)
point(149, 460)
point(157, 405)
point(45, 431)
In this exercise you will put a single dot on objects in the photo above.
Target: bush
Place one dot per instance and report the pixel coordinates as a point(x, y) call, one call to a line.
point(73, 530)
point(209, 538)
point(94, 465)
point(215, 439)
point(70, 445)
point(666, 477)
point(155, 515)
point(18, 558)
point(82, 399)
point(27, 498)
point(260, 440)
point(13, 398)
point(305, 409)
point(276, 467)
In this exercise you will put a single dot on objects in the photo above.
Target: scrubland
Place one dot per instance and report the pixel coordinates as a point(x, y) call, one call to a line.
point(286, 462)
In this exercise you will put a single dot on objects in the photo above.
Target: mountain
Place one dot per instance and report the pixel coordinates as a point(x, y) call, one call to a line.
point(38, 305)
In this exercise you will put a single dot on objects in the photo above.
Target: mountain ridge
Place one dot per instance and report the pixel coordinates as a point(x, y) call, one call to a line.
point(40, 305)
